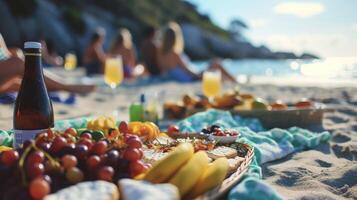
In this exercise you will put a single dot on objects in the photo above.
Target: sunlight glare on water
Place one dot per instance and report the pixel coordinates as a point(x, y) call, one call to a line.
point(330, 68)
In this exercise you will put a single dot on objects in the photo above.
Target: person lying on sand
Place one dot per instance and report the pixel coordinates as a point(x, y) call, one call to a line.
point(123, 46)
point(172, 62)
point(12, 69)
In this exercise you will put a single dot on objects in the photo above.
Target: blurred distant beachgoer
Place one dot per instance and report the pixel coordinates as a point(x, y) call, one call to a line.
point(12, 69)
point(149, 51)
point(94, 56)
point(49, 55)
point(171, 58)
point(123, 46)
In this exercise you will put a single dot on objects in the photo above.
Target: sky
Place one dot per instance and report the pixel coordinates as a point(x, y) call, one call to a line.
point(327, 28)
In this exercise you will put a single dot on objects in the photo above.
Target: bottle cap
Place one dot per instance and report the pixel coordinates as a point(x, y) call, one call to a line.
point(142, 98)
point(32, 45)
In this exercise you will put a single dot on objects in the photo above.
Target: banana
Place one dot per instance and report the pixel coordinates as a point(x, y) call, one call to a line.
point(190, 173)
point(163, 169)
point(4, 148)
point(212, 176)
point(139, 177)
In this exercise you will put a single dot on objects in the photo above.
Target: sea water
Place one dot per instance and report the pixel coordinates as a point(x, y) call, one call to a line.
point(331, 71)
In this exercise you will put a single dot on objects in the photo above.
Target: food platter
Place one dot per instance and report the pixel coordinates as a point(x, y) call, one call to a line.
point(304, 113)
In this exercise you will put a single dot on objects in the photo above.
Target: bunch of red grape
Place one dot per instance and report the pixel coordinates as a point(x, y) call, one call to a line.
point(56, 160)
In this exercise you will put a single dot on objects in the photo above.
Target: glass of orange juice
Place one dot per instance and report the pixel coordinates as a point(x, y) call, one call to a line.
point(113, 76)
point(211, 83)
point(113, 72)
point(70, 61)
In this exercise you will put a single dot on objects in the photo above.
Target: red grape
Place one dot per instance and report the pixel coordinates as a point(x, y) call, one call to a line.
point(47, 178)
point(35, 169)
point(123, 127)
point(86, 136)
point(45, 146)
point(99, 147)
point(39, 188)
point(66, 149)
point(58, 143)
point(93, 162)
point(132, 154)
point(173, 129)
point(134, 142)
point(50, 167)
point(136, 167)
point(36, 157)
point(106, 173)
point(71, 131)
point(81, 151)
point(112, 157)
point(70, 139)
point(41, 138)
point(9, 158)
point(86, 142)
point(74, 175)
point(69, 161)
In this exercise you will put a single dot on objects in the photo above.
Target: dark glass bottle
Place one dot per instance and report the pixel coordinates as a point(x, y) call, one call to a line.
point(33, 112)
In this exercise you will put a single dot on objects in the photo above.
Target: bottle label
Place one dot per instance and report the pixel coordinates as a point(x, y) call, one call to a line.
point(20, 136)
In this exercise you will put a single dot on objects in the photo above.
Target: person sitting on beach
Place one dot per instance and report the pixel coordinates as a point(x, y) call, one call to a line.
point(94, 56)
point(149, 51)
point(172, 61)
point(12, 69)
point(123, 46)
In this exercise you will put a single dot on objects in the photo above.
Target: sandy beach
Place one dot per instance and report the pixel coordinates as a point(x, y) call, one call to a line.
point(326, 172)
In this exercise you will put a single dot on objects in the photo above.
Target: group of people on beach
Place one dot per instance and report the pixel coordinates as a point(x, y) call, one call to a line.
point(162, 59)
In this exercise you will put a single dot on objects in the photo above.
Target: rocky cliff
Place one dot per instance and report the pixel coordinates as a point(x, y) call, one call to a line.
point(70, 23)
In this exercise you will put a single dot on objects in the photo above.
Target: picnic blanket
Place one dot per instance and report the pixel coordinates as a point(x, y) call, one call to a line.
point(268, 145)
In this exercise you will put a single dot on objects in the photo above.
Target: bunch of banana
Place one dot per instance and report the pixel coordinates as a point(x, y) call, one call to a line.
point(211, 177)
point(190, 172)
point(4, 148)
point(102, 124)
point(147, 130)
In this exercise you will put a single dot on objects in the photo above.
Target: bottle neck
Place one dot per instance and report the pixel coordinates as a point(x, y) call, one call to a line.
point(33, 64)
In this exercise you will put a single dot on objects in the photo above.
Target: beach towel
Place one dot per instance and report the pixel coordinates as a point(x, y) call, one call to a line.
point(268, 145)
